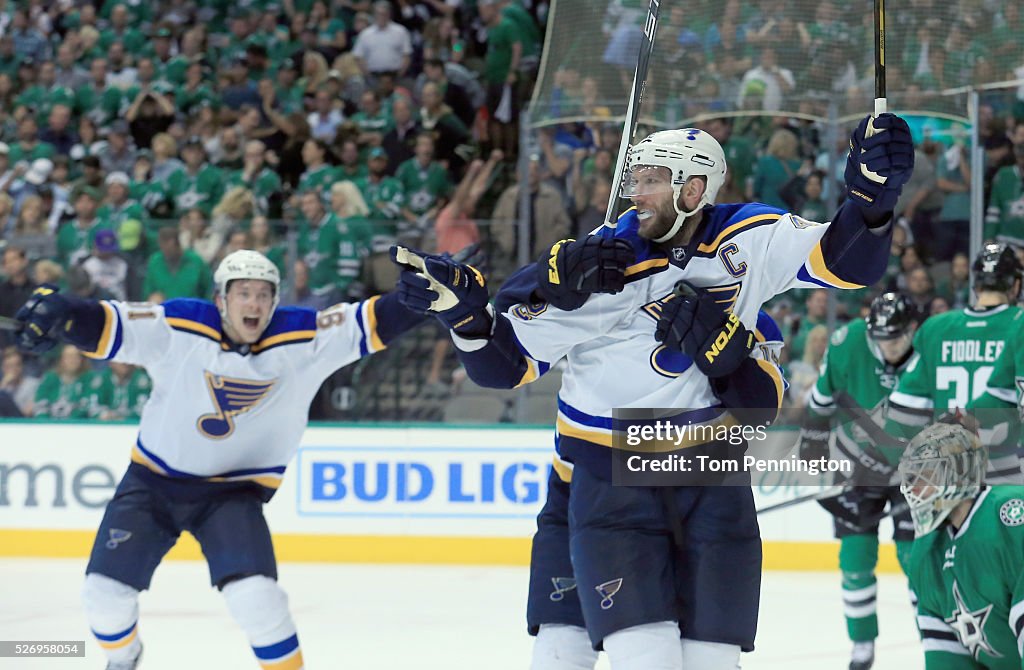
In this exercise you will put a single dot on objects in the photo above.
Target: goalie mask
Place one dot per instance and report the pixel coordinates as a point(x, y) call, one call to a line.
point(943, 466)
point(675, 155)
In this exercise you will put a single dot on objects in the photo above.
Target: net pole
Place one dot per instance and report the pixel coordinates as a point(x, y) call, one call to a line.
point(977, 175)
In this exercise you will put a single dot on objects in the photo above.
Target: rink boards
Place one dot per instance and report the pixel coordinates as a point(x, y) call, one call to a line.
point(382, 494)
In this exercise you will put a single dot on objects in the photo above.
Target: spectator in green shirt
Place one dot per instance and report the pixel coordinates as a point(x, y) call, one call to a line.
point(174, 272)
point(63, 392)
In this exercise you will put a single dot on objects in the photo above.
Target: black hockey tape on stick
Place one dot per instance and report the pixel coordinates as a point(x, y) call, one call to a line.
point(860, 417)
point(7, 323)
point(881, 104)
point(636, 96)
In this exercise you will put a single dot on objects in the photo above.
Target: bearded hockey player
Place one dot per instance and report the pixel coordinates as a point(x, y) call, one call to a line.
point(863, 360)
point(659, 343)
point(232, 384)
point(967, 561)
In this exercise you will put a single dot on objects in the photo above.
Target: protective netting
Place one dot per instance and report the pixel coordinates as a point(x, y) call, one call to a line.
point(789, 56)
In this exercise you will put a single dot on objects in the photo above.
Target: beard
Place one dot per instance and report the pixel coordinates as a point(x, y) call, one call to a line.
point(657, 225)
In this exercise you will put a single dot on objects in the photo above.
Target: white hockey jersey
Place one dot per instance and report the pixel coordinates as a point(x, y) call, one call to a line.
point(745, 254)
point(221, 414)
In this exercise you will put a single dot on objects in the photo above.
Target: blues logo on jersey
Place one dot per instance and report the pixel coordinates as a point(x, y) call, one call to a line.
point(230, 397)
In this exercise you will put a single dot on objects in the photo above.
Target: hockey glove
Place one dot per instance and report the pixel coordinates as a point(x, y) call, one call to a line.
point(454, 293)
point(814, 439)
point(880, 162)
point(573, 269)
point(694, 323)
point(45, 317)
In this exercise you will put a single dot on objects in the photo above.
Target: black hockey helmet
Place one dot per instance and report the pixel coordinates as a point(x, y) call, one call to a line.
point(891, 315)
point(996, 268)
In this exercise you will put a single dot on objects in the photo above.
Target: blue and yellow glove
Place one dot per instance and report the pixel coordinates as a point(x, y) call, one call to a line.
point(694, 323)
point(453, 292)
point(44, 318)
point(573, 269)
point(880, 162)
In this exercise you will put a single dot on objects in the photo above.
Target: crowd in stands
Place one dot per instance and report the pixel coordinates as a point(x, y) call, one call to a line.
point(140, 143)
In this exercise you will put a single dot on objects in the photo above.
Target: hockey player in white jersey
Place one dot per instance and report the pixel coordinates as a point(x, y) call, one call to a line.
point(650, 565)
point(232, 384)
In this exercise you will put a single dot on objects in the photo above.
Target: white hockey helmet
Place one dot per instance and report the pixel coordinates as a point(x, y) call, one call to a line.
point(942, 466)
point(246, 264)
point(686, 153)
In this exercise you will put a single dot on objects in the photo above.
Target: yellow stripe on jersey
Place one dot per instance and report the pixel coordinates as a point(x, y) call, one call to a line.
point(821, 271)
point(649, 264)
point(532, 372)
point(123, 642)
point(376, 344)
point(773, 372)
point(109, 326)
point(565, 428)
point(193, 326)
point(293, 336)
point(291, 663)
point(562, 469)
point(735, 228)
point(141, 459)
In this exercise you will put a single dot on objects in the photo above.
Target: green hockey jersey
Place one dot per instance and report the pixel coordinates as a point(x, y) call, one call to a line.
point(954, 355)
point(970, 586)
point(853, 364)
point(202, 189)
point(58, 398)
point(1004, 219)
point(998, 412)
point(111, 398)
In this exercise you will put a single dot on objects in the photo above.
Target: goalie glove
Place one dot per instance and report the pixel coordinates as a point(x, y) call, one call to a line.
point(454, 293)
point(694, 323)
point(573, 269)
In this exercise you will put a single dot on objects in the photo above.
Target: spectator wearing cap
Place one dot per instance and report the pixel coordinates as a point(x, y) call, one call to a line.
point(58, 131)
point(240, 89)
point(118, 154)
point(169, 67)
point(1004, 219)
point(174, 272)
point(75, 237)
point(28, 147)
point(150, 113)
point(36, 176)
point(198, 184)
point(385, 198)
point(256, 176)
point(91, 174)
point(325, 117)
point(384, 46)
point(125, 216)
point(28, 42)
point(105, 268)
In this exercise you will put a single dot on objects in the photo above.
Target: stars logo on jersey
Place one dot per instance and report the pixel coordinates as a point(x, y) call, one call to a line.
point(607, 591)
point(562, 586)
point(1012, 512)
point(970, 626)
point(1019, 382)
point(231, 397)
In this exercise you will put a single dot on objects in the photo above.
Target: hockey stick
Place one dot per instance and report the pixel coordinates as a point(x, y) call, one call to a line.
point(860, 417)
point(881, 103)
point(830, 492)
point(636, 96)
point(7, 323)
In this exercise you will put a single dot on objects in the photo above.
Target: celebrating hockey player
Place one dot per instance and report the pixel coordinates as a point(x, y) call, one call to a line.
point(967, 561)
point(232, 384)
point(954, 355)
point(863, 360)
point(645, 346)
